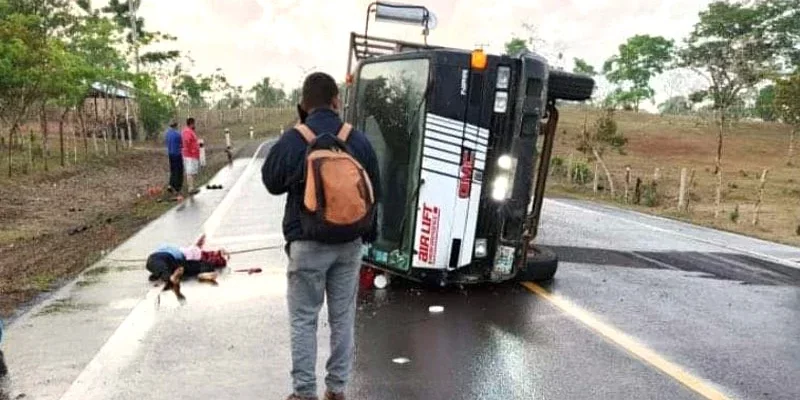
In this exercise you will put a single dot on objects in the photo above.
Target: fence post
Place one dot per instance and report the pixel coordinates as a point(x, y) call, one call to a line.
point(74, 138)
point(638, 191)
point(760, 198)
point(30, 150)
point(251, 132)
point(570, 171)
point(718, 199)
point(689, 189)
point(627, 184)
point(682, 191)
point(596, 181)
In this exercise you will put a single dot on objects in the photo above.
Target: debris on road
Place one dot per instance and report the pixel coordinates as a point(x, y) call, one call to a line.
point(435, 309)
point(380, 281)
point(401, 360)
point(250, 271)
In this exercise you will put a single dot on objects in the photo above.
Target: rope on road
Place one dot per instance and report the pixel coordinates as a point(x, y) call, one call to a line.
point(243, 251)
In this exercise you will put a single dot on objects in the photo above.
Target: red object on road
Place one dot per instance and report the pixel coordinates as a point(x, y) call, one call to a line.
point(366, 278)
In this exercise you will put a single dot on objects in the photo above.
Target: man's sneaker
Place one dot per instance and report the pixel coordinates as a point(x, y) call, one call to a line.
point(334, 396)
point(296, 397)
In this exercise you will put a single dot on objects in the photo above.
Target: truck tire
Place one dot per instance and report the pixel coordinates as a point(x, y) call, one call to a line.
point(568, 86)
point(540, 265)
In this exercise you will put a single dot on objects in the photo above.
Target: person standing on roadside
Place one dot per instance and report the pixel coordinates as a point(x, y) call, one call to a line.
point(191, 154)
point(174, 140)
point(324, 259)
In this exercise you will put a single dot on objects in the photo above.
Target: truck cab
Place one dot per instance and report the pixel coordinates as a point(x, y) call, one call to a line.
point(456, 133)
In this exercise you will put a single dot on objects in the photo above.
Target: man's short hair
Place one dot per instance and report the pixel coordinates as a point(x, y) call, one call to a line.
point(173, 124)
point(189, 121)
point(319, 90)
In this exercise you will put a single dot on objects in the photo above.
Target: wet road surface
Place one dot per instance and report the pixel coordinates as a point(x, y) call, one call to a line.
point(641, 308)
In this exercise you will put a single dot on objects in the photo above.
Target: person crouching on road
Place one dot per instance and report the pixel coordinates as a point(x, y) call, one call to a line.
point(174, 152)
point(190, 147)
point(322, 264)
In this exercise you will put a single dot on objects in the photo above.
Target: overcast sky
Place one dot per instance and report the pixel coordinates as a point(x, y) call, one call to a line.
point(250, 39)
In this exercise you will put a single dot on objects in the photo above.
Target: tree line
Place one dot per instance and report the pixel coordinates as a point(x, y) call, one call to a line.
point(56, 53)
point(746, 52)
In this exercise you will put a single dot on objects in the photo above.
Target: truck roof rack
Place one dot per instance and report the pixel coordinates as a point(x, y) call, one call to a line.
point(363, 47)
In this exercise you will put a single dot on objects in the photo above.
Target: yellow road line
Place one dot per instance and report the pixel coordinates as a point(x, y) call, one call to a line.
point(639, 350)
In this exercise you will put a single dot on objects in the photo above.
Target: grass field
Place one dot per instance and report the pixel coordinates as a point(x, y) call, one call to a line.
point(674, 142)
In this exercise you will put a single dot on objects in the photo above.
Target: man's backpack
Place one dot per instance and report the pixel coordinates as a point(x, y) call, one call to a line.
point(338, 202)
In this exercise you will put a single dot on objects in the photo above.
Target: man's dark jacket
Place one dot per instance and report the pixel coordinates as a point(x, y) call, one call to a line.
point(283, 167)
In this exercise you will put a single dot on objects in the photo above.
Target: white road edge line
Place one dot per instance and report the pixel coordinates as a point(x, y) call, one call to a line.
point(121, 347)
point(765, 257)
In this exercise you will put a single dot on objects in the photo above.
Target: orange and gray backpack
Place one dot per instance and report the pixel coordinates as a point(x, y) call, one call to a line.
point(338, 201)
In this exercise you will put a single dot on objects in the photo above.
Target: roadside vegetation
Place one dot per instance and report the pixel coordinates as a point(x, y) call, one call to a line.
point(721, 150)
point(86, 93)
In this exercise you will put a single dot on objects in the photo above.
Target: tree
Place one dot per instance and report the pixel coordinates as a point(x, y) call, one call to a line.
point(267, 95)
point(638, 61)
point(765, 103)
point(602, 136)
point(156, 107)
point(120, 13)
point(676, 105)
point(516, 45)
point(734, 47)
point(787, 106)
point(190, 91)
point(583, 67)
point(31, 54)
point(21, 52)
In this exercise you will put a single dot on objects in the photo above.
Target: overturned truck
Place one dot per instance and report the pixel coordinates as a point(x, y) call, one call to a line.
point(464, 140)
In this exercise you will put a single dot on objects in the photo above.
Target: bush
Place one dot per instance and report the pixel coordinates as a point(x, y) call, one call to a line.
point(734, 216)
point(581, 173)
point(557, 166)
point(650, 194)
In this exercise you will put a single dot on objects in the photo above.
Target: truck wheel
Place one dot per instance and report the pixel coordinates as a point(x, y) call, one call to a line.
point(568, 86)
point(540, 265)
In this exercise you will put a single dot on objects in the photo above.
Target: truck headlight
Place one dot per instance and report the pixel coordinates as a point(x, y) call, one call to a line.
point(505, 162)
point(500, 102)
point(503, 77)
point(500, 188)
point(481, 248)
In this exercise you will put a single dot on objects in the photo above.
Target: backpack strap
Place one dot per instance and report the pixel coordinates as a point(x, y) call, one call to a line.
point(305, 132)
point(344, 132)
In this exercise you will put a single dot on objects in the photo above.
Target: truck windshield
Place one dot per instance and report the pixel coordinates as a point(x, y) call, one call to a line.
point(390, 108)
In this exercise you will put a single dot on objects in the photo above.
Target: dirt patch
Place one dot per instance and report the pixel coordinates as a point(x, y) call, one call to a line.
point(671, 143)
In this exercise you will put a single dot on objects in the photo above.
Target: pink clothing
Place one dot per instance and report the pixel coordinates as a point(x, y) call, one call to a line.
point(190, 145)
point(192, 253)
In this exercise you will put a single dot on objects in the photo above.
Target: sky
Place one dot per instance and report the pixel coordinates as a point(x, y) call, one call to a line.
point(285, 39)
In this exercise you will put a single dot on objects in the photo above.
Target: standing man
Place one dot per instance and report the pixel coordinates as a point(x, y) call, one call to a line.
point(322, 266)
point(191, 154)
point(173, 140)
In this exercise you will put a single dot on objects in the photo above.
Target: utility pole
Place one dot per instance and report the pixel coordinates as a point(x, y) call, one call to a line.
point(134, 33)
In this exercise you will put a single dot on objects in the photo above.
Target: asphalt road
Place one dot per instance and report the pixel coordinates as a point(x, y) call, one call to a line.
point(641, 308)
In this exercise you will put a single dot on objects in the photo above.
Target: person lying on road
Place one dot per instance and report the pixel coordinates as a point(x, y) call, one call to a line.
point(170, 264)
